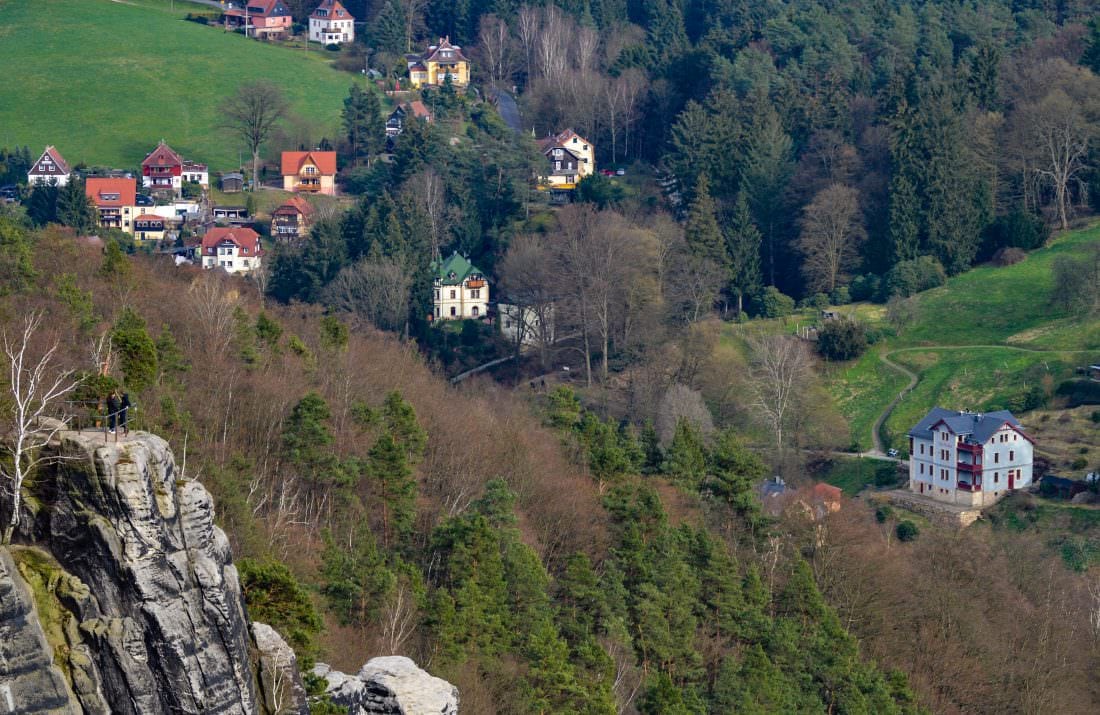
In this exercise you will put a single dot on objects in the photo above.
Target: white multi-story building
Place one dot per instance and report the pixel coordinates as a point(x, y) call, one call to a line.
point(331, 24)
point(967, 458)
point(460, 289)
point(234, 250)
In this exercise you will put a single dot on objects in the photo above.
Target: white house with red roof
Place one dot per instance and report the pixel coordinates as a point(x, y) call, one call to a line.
point(115, 201)
point(264, 19)
point(331, 24)
point(233, 249)
point(968, 458)
point(164, 170)
point(570, 158)
point(51, 168)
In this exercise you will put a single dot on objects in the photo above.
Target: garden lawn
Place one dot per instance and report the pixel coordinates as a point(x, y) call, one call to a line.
point(105, 81)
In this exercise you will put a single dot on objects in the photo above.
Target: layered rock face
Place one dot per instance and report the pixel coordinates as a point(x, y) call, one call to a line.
point(136, 593)
point(392, 685)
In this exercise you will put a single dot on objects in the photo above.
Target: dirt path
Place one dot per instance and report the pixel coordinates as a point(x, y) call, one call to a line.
point(876, 430)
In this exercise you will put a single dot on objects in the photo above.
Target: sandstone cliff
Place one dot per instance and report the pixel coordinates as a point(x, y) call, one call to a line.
point(119, 595)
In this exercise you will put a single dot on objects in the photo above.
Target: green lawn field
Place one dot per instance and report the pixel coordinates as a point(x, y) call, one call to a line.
point(104, 81)
point(1002, 308)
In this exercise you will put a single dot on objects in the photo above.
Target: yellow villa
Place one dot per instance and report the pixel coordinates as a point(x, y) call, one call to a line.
point(437, 63)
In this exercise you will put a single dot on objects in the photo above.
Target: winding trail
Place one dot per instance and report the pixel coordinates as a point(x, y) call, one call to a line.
point(914, 378)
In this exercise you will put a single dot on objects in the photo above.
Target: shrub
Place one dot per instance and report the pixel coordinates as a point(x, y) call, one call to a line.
point(883, 513)
point(1080, 392)
point(1017, 230)
point(865, 287)
point(1096, 416)
point(907, 531)
point(842, 340)
point(1008, 256)
point(886, 475)
point(773, 304)
point(1079, 463)
point(332, 47)
point(841, 296)
point(909, 277)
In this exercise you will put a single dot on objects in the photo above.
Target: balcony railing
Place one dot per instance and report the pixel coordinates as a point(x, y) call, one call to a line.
point(968, 467)
point(970, 487)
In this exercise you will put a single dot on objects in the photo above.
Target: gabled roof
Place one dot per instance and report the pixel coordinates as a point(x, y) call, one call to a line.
point(333, 9)
point(454, 270)
point(827, 492)
point(293, 161)
point(163, 155)
point(438, 53)
point(295, 204)
point(103, 191)
point(267, 8)
point(243, 238)
point(975, 426)
point(58, 163)
point(561, 141)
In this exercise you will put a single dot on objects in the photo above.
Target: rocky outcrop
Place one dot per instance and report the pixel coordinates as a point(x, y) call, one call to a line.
point(393, 685)
point(280, 682)
point(29, 681)
point(149, 614)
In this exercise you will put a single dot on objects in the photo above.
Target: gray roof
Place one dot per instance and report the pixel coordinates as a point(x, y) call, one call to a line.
point(979, 427)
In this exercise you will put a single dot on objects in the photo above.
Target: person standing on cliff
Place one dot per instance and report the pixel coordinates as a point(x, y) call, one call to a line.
point(113, 407)
point(123, 420)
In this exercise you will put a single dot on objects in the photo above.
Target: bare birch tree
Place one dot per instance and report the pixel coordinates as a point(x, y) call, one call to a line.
point(35, 386)
point(1059, 134)
point(530, 281)
point(779, 372)
point(252, 114)
point(497, 48)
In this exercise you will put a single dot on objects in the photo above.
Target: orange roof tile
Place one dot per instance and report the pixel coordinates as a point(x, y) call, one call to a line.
point(294, 160)
point(111, 192)
point(296, 204)
point(241, 237)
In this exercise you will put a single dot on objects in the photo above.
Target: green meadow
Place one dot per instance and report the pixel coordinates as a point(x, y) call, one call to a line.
point(981, 341)
point(104, 81)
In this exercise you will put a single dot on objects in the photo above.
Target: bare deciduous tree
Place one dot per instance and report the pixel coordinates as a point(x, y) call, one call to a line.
point(376, 291)
point(253, 113)
point(35, 386)
point(529, 280)
point(497, 48)
point(831, 232)
point(779, 371)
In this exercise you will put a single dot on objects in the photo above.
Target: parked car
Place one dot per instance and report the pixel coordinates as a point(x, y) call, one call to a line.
point(892, 453)
point(9, 194)
point(620, 172)
point(607, 172)
point(143, 200)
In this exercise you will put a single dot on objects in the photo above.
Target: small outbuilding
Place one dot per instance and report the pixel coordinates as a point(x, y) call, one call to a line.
point(232, 183)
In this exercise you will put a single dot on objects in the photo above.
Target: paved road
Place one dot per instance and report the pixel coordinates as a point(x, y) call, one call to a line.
point(509, 111)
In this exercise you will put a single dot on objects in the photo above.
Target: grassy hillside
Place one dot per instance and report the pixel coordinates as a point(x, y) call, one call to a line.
point(981, 341)
point(104, 81)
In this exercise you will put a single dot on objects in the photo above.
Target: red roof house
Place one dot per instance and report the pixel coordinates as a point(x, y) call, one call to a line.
point(234, 249)
point(309, 171)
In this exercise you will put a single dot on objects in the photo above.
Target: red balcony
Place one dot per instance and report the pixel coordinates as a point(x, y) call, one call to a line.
point(970, 487)
point(971, 448)
point(968, 467)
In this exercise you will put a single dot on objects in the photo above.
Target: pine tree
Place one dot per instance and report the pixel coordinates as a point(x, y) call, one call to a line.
point(136, 350)
point(355, 580)
point(651, 447)
point(42, 205)
point(743, 244)
point(400, 419)
point(75, 209)
point(703, 235)
point(362, 118)
point(767, 168)
point(904, 219)
point(685, 459)
point(1091, 56)
point(388, 468)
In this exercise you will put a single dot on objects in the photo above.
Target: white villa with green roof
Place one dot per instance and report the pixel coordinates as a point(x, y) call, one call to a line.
point(460, 289)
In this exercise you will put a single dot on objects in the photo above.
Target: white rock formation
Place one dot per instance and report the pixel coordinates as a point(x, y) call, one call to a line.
point(392, 685)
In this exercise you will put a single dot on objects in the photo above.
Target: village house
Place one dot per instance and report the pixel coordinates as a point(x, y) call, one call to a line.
point(291, 221)
point(233, 249)
point(967, 458)
point(164, 171)
point(437, 64)
point(395, 124)
point(570, 158)
point(51, 168)
point(150, 227)
point(459, 289)
point(263, 19)
point(524, 325)
point(115, 201)
point(309, 171)
point(331, 24)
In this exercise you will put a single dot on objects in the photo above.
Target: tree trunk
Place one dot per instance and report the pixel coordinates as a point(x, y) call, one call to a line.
point(255, 169)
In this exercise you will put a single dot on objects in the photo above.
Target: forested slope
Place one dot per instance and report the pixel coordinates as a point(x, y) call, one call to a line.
point(449, 525)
